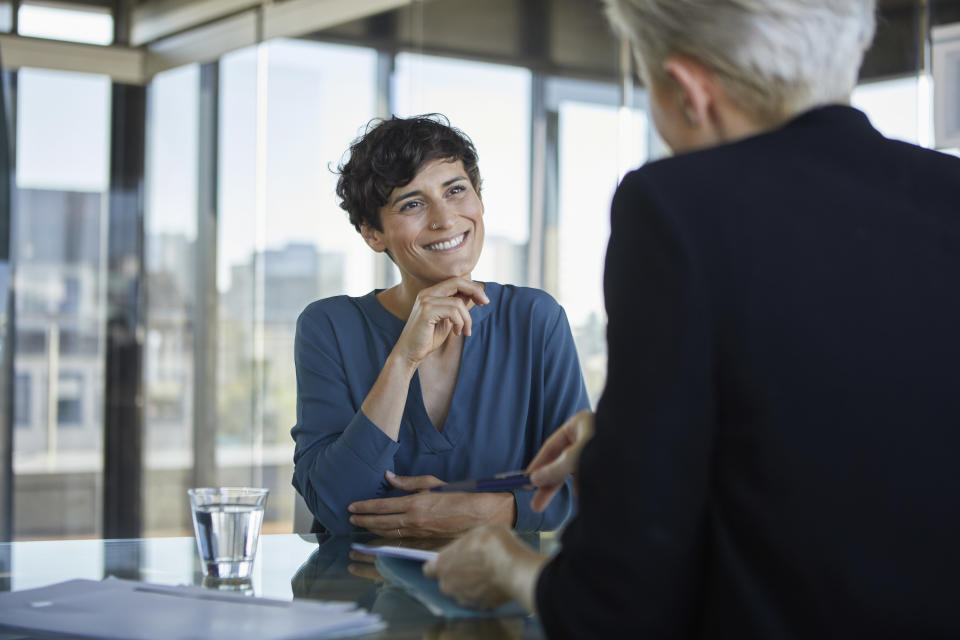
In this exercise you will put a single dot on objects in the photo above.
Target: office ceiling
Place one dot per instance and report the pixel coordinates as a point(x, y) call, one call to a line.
point(568, 37)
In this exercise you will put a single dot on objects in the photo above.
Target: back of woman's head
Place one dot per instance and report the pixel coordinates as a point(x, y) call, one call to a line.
point(775, 58)
point(390, 153)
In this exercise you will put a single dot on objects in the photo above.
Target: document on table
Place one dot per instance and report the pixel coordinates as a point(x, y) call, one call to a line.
point(395, 552)
point(124, 609)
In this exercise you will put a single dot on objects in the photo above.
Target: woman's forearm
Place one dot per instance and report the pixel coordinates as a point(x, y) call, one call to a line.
point(386, 400)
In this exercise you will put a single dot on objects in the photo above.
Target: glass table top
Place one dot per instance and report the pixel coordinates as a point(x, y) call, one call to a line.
point(287, 566)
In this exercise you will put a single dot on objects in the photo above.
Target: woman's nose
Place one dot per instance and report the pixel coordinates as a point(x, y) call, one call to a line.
point(442, 216)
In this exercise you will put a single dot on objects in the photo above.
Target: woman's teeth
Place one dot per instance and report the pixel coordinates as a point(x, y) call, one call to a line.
point(449, 244)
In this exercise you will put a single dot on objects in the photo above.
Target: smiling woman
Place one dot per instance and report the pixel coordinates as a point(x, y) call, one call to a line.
point(438, 378)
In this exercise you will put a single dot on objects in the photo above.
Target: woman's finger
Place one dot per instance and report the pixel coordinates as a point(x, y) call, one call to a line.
point(367, 571)
point(458, 287)
point(397, 532)
point(359, 556)
point(556, 471)
point(451, 309)
point(387, 524)
point(565, 441)
point(430, 568)
point(542, 497)
point(413, 483)
point(380, 505)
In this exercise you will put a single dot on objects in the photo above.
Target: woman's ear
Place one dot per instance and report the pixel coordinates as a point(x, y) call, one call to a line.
point(696, 89)
point(373, 238)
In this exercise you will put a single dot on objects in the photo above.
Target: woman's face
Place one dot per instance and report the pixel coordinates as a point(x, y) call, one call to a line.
point(433, 226)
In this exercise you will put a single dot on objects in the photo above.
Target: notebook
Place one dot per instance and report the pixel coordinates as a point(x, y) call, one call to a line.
point(123, 609)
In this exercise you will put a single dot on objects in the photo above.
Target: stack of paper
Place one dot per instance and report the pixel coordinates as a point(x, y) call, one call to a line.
point(124, 609)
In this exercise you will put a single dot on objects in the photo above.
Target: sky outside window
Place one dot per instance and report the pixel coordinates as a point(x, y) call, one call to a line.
point(319, 97)
point(63, 131)
point(60, 22)
point(6, 16)
point(892, 106)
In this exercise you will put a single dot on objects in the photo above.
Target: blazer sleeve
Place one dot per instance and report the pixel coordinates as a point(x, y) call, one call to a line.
point(340, 455)
point(630, 559)
point(564, 394)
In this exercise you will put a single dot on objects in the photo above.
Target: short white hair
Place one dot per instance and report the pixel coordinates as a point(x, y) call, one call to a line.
point(776, 58)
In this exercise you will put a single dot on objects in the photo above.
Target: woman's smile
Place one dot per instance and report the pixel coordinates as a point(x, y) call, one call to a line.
point(449, 245)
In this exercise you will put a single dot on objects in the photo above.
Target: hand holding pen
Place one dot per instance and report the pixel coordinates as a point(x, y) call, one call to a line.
point(559, 458)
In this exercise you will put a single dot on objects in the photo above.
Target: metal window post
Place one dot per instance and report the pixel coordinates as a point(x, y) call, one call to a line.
point(7, 324)
point(123, 390)
point(206, 305)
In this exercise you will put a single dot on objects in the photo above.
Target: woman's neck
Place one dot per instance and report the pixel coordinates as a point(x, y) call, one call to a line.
point(400, 298)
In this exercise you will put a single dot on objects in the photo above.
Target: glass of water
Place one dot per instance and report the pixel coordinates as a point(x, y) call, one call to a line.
point(226, 522)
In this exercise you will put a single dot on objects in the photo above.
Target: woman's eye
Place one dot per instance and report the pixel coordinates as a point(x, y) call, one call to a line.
point(457, 189)
point(408, 206)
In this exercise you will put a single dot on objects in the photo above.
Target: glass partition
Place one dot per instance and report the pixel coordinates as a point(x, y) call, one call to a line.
point(597, 145)
point(170, 264)
point(59, 222)
point(289, 109)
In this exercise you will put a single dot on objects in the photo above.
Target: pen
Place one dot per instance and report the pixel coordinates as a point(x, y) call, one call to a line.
point(506, 481)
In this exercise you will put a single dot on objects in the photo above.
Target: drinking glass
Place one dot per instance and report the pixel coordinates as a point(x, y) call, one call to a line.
point(226, 522)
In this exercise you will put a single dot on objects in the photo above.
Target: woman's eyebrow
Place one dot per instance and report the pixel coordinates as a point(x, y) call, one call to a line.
point(406, 195)
point(418, 192)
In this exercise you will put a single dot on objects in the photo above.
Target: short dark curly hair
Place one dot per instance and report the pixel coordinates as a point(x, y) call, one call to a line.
point(389, 154)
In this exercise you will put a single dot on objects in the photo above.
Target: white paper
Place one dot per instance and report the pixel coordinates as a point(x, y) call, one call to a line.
point(396, 552)
point(129, 610)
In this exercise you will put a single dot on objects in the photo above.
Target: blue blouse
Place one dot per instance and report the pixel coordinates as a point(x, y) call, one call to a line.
point(519, 380)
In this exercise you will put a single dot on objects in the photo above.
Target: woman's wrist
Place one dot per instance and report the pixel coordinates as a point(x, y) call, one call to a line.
point(400, 364)
point(507, 513)
point(385, 402)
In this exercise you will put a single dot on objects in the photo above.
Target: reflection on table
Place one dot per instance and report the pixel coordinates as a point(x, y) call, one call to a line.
point(287, 567)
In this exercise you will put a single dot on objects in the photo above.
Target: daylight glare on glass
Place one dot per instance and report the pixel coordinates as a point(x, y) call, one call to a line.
point(90, 26)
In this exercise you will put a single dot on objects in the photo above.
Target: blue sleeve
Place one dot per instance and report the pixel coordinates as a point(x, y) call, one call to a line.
point(340, 455)
point(564, 394)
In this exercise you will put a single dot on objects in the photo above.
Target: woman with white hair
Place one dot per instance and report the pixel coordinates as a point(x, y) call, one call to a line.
point(775, 452)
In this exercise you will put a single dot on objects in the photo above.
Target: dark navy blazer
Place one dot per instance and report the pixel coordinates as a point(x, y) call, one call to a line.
point(778, 445)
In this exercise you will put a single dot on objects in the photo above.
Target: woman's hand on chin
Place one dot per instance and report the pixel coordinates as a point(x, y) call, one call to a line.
point(437, 312)
point(425, 514)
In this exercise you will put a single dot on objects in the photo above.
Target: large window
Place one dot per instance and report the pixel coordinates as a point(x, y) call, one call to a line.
point(896, 108)
point(597, 143)
point(170, 273)
point(60, 214)
point(289, 110)
point(491, 104)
